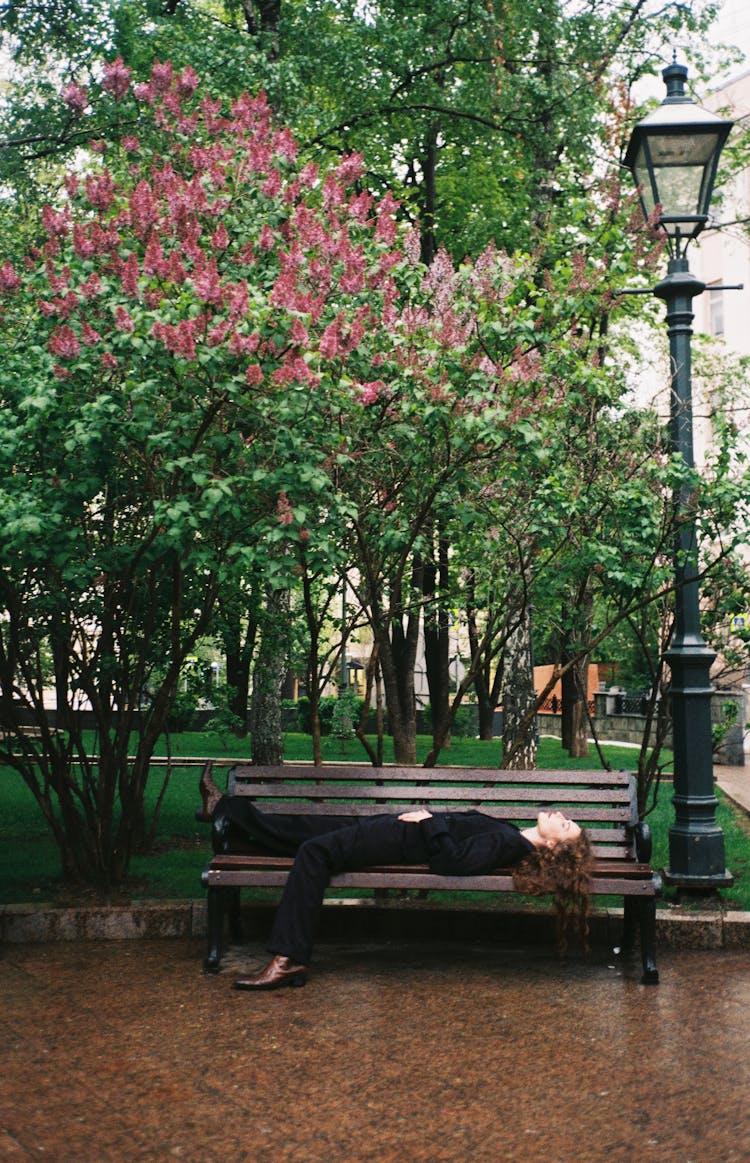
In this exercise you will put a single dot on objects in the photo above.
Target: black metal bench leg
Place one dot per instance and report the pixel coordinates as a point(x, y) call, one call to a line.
point(629, 922)
point(648, 940)
point(215, 925)
point(639, 917)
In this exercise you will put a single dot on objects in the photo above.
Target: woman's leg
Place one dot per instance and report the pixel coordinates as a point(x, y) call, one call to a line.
point(369, 841)
point(242, 822)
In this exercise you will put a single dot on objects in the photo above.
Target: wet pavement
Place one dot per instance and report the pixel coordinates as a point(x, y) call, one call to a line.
point(735, 781)
point(394, 1052)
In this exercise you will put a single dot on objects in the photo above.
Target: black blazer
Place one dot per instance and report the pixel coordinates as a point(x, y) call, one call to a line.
point(452, 843)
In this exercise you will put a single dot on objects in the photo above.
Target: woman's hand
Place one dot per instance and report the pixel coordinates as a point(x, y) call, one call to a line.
point(416, 816)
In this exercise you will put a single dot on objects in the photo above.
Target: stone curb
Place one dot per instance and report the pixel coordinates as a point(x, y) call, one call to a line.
point(32, 923)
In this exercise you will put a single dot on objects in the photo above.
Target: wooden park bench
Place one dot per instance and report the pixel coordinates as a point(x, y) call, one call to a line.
point(604, 802)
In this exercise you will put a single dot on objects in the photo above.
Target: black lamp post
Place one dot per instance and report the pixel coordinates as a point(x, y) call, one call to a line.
point(674, 153)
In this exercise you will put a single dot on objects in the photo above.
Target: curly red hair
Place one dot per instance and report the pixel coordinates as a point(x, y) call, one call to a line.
point(564, 871)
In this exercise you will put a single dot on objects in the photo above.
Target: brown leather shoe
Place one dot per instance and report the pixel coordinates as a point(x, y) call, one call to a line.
point(210, 795)
point(279, 971)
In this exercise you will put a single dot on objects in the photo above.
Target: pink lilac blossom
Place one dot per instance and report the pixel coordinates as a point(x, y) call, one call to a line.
point(116, 80)
point(218, 333)
point(292, 192)
point(64, 343)
point(243, 344)
point(237, 299)
point(254, 375)
point(89, 334)
point(211, 113)
point(387, 227)
point(124, 320)
point(370, 392)
point(333, 193)
point(108, 360)
point(220, 238)
point(330, 340)
point(154, 262)
point(161, 76)
point(76, 97)
point(56, 224)
point(100, 190)
point(284, 510)
point(309, 174)
point(292, 371)
point(298, 333)
point(272, 185)
point(62, 307)
point(284, 145)
point(187, 82)
point(353, 279)
point(360, 206)
point(58, 281)
point(130, 143)
point(83, 244)
point(129, 275)
point(350, 169)
point(207, 284)
point(144, 209)
point(9, 280)
point(266, 240)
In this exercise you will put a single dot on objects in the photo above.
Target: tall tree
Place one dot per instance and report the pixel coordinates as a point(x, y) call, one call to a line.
point(173, 350)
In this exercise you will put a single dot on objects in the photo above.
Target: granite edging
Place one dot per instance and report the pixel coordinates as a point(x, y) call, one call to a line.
point(32, 923)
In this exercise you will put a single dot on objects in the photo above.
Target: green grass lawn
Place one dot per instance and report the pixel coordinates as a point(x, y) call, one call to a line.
point(29, 866)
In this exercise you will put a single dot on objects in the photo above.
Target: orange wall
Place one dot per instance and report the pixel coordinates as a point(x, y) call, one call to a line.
point(542, 675)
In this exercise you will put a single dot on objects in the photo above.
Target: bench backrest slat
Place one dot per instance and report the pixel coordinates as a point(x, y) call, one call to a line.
point(399, 793)
point(415, 776)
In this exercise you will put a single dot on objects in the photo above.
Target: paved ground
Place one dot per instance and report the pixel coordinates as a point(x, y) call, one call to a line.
point(735, 781)
point(393, 1053)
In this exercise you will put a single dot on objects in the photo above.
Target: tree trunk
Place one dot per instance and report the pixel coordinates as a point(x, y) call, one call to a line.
point(262, 19)
point(396, 637)
point(238, 651)
point(400, 700)
point(437, 640)
point(268, 679)
point(427, 218)
point(487, 686)
point(574, 718)
point(518, 698)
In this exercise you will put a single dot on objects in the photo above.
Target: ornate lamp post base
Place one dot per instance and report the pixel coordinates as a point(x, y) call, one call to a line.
point(696, 842)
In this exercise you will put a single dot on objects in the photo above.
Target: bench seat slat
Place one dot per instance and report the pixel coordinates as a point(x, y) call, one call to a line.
point(261, 861)
point(611, 883)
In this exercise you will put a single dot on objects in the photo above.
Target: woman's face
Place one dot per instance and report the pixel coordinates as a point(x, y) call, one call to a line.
point(554, 827)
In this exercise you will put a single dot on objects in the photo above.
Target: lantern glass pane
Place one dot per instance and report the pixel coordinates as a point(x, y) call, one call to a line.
point(682, 149)
point(679, 189)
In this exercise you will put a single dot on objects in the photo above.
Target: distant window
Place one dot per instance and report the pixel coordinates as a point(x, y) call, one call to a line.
point(715, 312)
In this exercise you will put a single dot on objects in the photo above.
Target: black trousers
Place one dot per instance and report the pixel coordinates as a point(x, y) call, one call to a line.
point(323, 846)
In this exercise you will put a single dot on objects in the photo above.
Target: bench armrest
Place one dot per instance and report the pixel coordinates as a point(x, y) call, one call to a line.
point(643, 842)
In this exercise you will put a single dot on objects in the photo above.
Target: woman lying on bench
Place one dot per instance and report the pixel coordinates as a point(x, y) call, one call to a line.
point(553, 855)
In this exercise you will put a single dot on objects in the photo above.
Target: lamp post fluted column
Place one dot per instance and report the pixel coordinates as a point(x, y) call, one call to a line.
point(696, 842)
